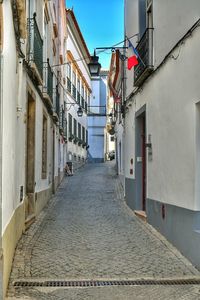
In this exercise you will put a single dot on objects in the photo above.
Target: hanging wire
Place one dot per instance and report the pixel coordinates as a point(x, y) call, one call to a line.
point(81, 59)
point(98, 52)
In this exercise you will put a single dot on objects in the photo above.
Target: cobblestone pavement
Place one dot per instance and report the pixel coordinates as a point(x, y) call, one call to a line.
point(88, 232)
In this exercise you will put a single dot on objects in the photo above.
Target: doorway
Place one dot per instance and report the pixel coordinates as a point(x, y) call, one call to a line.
point(30, 158)
point(140, 169)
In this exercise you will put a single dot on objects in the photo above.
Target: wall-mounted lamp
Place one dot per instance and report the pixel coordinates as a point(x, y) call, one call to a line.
point(94, 66)
point(79, 111)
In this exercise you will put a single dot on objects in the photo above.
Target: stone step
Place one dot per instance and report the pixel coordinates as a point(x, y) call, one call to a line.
point(141, 214)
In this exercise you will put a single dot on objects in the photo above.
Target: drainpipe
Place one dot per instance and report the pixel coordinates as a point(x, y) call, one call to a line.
point(1, 250)
point(1, 116)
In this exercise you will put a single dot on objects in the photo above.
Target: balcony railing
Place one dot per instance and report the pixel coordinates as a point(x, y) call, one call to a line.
point(35, 47)
point(61, 119)
point(74, 91)
point(48, 80)
point(65, 129)
point(145, 50)
point(69, 86)
point(96, 110)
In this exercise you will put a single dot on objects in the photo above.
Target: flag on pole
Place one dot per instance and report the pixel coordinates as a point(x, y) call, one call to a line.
point(133, 60)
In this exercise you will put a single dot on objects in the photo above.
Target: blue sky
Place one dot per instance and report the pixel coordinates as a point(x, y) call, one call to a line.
point(101, 23)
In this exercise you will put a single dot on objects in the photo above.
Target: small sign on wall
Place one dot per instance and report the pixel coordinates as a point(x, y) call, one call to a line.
point(139, 159)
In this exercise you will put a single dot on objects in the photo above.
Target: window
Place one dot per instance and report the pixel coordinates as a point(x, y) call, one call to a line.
point(78, 85)
point(75, 127)
point(82, 91)
point(70, 124)
point(83, 134)
point(44, 147)
point(87, 137)
point(69, 71)
point(74, 78)
point(79, 130)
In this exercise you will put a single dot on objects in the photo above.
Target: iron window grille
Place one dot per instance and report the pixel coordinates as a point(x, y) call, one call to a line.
point(74, 91)
point(35, 45)
point(48, 80)
point(82, 102)
point(69, 86)
point(145, 50)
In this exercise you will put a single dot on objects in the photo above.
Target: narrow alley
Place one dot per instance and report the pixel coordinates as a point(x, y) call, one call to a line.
point(87, 232)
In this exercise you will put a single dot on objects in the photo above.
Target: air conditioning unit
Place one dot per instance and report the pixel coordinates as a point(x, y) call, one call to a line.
point(149, 4)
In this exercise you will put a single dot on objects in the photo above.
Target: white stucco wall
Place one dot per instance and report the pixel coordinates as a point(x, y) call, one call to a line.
point(129, 142)
point(119, 133)
point(74, 47)
point(78, 55)
point(170, 96)
point(172, 19)
point(171, 122)
point(13, 95)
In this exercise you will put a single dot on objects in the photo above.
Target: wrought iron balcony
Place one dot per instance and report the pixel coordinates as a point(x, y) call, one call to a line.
point(65, 129)
point(76, 140)
point(61, 119)
point(56, 104)
point(145, 50)
point(69, 85)
point(96, 110)
point(47, 81)
point(35, 46)
point(74, 91)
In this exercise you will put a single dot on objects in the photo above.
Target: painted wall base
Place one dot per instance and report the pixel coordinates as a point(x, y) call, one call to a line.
point(10, 238)
point(179, 225)
point(56, 182)
point(121, 179)
point(130, 193)
point(42, 199)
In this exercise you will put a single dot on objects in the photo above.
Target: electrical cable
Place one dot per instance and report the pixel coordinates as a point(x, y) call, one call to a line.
point(98, 52)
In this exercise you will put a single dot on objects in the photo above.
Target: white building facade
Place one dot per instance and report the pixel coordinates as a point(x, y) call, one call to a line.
point(78, 93)
point(162, 119)
point(97, 118)
point(32, 146)
point(116, 122)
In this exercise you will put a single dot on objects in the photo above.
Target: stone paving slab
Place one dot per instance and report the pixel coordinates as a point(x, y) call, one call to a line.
point(88, 232)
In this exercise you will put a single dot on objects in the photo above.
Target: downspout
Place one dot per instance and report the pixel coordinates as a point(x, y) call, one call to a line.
point(1, 250)
point(1, 117)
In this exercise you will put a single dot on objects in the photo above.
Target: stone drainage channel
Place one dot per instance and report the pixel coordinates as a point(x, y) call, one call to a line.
point(97, 283)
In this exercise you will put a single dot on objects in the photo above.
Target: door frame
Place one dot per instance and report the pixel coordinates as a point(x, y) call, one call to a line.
point(30, 155)
point(140, 159)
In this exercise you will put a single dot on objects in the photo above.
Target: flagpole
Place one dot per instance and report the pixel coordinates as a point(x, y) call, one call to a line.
point(136, 52)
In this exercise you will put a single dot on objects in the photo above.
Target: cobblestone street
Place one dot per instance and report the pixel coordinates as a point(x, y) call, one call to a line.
point(88, 233)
